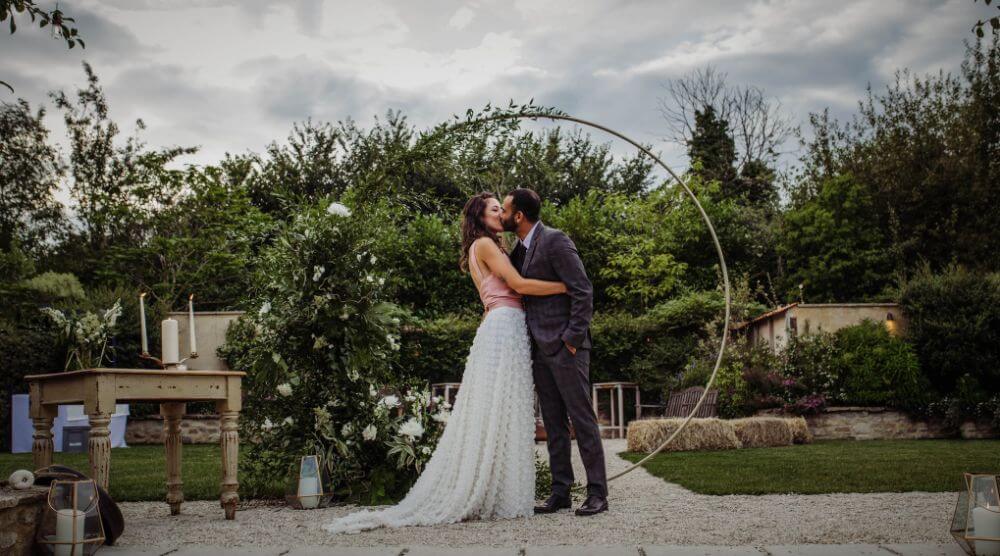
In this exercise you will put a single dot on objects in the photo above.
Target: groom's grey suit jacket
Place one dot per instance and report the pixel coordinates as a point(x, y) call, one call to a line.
point(554, 319)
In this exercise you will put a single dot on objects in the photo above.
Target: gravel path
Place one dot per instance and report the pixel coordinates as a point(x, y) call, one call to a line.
point(643, 509)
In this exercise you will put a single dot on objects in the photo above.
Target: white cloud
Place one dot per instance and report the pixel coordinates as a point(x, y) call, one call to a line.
point(461, 18)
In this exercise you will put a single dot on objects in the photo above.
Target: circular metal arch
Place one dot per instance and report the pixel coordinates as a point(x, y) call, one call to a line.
point(704, 216)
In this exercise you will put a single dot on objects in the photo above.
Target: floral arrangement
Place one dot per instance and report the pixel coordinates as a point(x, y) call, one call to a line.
point(86, 334)
point(319, 348)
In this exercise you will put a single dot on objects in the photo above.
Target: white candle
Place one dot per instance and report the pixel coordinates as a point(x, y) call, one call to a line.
point(142, 321)
point(194, 347)
point(68, 523)
point(169, 342)
point(308, 488)
point(986, 523)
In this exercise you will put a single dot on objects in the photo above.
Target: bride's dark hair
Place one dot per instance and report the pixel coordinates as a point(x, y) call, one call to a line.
point(473, 227)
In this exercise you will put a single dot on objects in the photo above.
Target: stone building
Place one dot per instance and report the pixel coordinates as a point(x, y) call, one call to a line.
point(776, 327)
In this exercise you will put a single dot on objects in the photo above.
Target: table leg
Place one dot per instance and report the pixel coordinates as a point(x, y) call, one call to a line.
point(99, 448)
point(172, 415)
point(41, 447)
point(230, 441)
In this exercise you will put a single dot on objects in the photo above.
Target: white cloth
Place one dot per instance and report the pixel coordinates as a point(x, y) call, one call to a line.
point(531, 233)
point(484, 463)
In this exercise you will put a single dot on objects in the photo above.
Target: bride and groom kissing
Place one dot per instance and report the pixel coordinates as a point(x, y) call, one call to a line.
point(534, 337)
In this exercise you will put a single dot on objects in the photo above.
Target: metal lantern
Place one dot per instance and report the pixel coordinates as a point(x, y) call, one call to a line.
point(976, 524)
point(71, 524)
point(308, 489)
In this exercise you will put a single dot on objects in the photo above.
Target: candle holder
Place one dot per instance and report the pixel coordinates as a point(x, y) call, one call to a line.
point(169, 342)
point(976, 523)
point(71, 524)
point(309, 488)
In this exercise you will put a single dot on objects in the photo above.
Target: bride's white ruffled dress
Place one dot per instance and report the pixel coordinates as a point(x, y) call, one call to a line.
point(483, 466)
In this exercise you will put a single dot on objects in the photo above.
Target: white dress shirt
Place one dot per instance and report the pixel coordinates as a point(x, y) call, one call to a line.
point(527, 239)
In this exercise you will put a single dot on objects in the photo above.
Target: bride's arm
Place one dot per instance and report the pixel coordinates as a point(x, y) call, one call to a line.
point(498, 263)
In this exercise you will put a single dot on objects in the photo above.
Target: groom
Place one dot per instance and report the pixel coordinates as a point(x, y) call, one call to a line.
point(560, 346)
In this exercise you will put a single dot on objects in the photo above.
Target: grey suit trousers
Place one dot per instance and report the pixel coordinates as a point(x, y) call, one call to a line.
point(562, 381)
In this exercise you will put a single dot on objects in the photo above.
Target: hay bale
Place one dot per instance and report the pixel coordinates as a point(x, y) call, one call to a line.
point(800, 430)
point(762, 432)
point(646, 435)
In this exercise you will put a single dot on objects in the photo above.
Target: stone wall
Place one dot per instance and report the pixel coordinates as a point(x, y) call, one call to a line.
point(879, 423)
point(195, 429)
point(20, 514)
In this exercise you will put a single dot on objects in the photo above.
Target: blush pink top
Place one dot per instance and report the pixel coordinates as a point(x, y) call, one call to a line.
point(492, 289)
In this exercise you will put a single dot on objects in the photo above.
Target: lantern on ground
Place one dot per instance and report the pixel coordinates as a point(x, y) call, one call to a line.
point(71, 524)
point(308, 488)
point(976, 524)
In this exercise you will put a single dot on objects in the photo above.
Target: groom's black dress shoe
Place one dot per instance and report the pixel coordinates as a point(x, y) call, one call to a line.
point(593, 505)
point(553, 505)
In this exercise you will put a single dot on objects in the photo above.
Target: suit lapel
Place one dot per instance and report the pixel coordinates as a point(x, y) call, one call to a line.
point(535, 240)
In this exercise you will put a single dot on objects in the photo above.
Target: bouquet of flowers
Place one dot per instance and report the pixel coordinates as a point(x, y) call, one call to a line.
point(86, 334)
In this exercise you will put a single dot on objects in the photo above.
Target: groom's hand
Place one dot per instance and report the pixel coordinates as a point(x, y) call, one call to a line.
point(569, 347)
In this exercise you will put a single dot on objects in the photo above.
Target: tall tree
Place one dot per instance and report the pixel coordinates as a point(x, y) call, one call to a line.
point(30, 171)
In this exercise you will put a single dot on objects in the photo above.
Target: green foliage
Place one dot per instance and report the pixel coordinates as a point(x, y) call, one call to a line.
point(55, 284)
point(434, 350)
point(954, 325)
point(653, 347)
point(833, 245)
point(426, 278)
point(712, 145)
point(878, 369)
point(29, 177)
point(318, 346)
point(925, 152)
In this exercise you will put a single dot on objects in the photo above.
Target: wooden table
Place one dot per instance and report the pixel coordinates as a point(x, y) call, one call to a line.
point(99, 389)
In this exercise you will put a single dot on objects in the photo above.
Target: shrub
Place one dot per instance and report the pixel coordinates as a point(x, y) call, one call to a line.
point(318, 348)
point(435, 350)
point(877, 368)
point(954, 326)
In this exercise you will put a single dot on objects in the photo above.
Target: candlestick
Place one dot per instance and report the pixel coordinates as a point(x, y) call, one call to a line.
point(986, 523)
point(69, 529)
point(194, 347)
point(142, 322)
point(170, 345)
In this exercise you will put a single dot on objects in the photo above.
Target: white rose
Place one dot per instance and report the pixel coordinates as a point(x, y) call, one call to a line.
point(373, 259)
point(285, 389)
point(411, 428)
point(369, 433)
point(267, 425)
point(411, 398)
point(426, 450)
point(265, 308)
point(338, 210)
point(289, 421)
point(347, 429)
point(381, 281)
point(390, 401)
point(318, 273)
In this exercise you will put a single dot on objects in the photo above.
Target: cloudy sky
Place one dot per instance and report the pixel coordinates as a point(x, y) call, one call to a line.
point(233, 75)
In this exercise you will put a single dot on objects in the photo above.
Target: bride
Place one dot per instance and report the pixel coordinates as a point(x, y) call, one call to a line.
point(484, 464)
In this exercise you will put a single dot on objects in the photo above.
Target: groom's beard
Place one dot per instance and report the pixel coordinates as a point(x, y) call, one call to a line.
point(508, 225)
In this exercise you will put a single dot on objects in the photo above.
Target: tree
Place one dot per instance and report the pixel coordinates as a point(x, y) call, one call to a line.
point(834, 246)
point(993, 21)
point(758, 126)
point(29, 176)
point(712, 146)
point(928, 152)
point(116, 188)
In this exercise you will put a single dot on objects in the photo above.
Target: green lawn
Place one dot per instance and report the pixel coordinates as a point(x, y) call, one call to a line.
point(139, 472)
point(829, 466)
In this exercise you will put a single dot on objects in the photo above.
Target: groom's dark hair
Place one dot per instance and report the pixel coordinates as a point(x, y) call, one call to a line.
point(526, 201)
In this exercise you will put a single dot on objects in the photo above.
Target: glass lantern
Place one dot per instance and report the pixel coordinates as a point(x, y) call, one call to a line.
point(976, 524)
point(308, 489)
point(71, 524)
